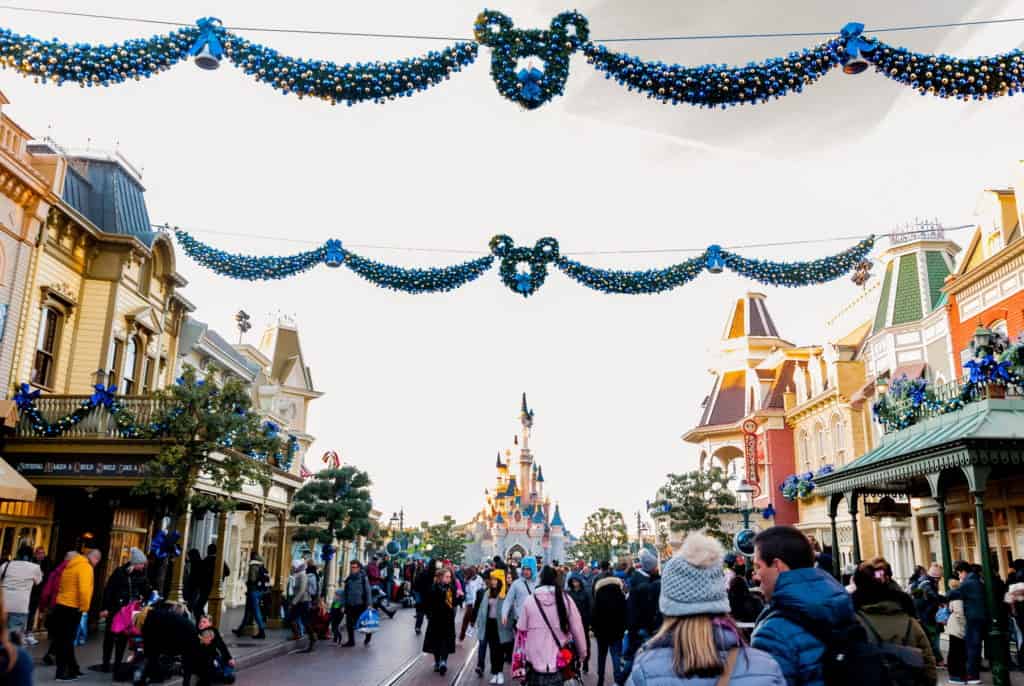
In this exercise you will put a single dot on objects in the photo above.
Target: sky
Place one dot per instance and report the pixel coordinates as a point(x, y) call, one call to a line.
point(421, 391)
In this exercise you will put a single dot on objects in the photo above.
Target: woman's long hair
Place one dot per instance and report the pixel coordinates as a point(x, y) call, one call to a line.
point(694, 649)
point(496, 590)
point(549, 577)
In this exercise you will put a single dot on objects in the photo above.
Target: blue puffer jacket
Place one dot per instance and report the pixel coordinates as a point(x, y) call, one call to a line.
point(817, 597)
point(654, 665)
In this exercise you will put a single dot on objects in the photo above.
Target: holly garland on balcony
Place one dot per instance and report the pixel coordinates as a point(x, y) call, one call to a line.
point(524, 269)
point(801, 486)
point(528, 66)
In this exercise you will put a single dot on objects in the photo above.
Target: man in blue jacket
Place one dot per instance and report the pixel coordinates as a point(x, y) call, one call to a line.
point(972, 592)
point(784, 565)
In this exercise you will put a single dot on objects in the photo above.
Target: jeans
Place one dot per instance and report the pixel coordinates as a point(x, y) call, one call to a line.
point(613, 646)
point(17, 621)
point(297, 615)
point(634, 639)
point(252, 610)
point(973, 638)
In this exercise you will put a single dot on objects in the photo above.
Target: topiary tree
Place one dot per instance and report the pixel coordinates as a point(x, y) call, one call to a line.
point(447, 543)
point(693, 501)
point(334, 505)
point(603, 532)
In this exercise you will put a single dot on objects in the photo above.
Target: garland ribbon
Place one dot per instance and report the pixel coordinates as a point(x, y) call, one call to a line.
point(528, 66)
point(524, 269)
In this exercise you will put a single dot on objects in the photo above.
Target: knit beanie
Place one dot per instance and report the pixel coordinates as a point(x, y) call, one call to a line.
point(136, 556)
point(531, 564)
point(648, 560)
point(693, 581)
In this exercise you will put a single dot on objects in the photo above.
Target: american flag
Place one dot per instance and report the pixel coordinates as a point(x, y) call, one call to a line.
point(304, 473)
point(331, 459)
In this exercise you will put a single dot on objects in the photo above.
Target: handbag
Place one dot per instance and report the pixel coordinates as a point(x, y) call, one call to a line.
point(368, 622)
point(122, 623)
point(568, 659)
point(519, 657)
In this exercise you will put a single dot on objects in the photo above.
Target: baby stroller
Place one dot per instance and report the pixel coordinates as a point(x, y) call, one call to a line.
point(405, 596)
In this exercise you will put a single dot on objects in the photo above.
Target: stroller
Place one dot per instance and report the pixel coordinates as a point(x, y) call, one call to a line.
point(404, 595)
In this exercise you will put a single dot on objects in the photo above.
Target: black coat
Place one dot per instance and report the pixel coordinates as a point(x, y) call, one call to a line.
point(440, 635)
point(642, 611)
point(170, 633)
point(583, 604)
point(609, 613)
point(124, 586)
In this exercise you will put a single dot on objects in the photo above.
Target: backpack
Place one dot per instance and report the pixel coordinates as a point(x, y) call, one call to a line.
point(263, 583)
point(904, 663)
point(850, 659)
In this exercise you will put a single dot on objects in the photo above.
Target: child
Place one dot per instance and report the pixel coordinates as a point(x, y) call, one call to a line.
point(319, 620)
point(337, 614)
point(214, 659)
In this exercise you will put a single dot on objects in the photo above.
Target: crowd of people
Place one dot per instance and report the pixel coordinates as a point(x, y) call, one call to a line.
point(779, 617)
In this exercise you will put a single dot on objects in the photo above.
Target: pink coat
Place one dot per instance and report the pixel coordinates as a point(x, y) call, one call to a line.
point(541, 649)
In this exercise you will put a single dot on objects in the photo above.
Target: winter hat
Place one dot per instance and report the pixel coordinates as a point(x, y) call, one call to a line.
point(648, 560)
point(693, 581)
point(531, 564)
point(136, 556)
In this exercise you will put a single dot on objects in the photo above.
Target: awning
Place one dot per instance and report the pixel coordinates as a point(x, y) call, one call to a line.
point(13, 486)
point(914, 370)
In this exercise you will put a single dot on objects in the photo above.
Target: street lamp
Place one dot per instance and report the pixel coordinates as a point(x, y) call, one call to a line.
point(745, 492)
point(982, 342)
point(399, 519)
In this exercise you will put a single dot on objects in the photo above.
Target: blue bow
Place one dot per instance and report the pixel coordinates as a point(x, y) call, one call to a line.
point(713, 259)
point(334, 254)
point(271, 429)
point(208, 27)
point(25, 397)
point(531, 79)
point(768, 512)
point(327, 553)
point(103, 395)
point(917, 394)
point(977, 375)
point(855, 43)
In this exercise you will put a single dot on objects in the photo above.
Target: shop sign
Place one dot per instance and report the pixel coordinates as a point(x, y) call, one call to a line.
point(79, 469)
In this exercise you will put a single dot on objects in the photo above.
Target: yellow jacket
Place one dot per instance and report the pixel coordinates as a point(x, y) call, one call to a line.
point(76, 580)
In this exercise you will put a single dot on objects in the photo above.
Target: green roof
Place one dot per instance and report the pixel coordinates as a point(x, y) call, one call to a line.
point(883, 301)
point(983, 420)
point(907, 306)
point(938, 270)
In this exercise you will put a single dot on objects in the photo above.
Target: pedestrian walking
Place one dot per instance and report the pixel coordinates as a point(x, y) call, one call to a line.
point(881, 610)
point(74, 595)
point(642, 615)
point(799, 596)
point(15, 663)
point(493, 637)
point(440, 603)
point(48, 600)
point(337, 613)
point(313, 580)
point(193, 575)
point(547, 622)
point(956, 630)
point(927, 601)
point(298, 600)
point(976, 618)
point(46, 566)
point(255, 580)
point(358, 597)
point(208, 577)
point(474, 583)
point(697, 642)
point(127, 583)
point(584, 603)
point(518, 593)
point(421, 585)
point(609, 623)
point(18, 579)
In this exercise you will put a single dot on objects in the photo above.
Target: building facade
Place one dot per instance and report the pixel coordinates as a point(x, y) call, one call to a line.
point(517, 519)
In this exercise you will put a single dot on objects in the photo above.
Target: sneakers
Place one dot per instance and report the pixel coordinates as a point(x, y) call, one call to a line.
point(31, 640)
point(494, 679)
point(443, 669)
point(955, 681)
point(501, 678)
point(972, 682)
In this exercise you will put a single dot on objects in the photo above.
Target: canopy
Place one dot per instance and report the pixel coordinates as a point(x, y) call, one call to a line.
point(13, 486)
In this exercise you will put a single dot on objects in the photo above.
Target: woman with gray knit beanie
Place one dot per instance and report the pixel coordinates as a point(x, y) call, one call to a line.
point(698, 642)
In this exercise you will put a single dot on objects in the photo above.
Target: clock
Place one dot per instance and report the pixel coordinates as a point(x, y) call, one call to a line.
point(289, 409)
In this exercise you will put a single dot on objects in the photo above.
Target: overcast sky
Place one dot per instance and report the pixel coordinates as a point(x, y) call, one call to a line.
point(422, 390)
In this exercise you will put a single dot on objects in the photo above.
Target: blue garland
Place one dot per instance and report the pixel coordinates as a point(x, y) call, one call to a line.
point(524, 270)
point(105, 398)
point(530, 86)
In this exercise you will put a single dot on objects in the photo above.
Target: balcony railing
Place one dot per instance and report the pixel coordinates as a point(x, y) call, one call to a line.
point(99, 423)
point(942, 399)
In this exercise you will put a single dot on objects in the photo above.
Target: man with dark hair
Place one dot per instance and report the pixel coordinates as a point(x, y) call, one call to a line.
point(799, 597)
point(972, 593)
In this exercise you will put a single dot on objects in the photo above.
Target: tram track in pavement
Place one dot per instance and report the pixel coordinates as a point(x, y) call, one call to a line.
point(414, 672)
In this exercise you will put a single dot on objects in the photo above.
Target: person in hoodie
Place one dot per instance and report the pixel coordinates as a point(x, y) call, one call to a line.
point(608, 623)
point(584, 603)
point(474, 582)
point(549, 620)
point(642, 615)
point(492, 635)
point(518, 593)
point(795, 590)
point(298, 601)
point(74, 596)
point(253, 592)
point(697, 639)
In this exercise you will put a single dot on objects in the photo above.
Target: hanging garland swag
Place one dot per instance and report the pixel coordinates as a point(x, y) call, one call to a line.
point(546, 54)
point(524, 270)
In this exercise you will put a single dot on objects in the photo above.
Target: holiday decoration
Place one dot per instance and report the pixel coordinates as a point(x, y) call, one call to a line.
point(801, 486)
point(528, 66)
point(524, 270)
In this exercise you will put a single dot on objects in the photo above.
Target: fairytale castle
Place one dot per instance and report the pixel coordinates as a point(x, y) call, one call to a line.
point(517, 519)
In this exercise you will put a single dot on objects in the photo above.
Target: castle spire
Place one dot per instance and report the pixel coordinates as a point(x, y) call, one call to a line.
point(498, 463)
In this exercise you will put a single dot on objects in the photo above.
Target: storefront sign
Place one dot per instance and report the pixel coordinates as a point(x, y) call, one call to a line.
point(750, 453)
point(79, 469)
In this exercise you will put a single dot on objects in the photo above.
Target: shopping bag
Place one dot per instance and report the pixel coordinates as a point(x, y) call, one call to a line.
point(121, 622)
point(519, 657)
point(368, 622)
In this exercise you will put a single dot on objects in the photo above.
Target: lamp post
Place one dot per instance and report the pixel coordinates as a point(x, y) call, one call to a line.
point(398, 518)
point(745, 493)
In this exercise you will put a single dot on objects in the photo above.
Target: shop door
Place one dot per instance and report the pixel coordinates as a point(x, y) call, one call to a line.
point(127, 531)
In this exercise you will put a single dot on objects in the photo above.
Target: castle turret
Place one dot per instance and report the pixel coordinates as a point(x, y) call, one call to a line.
point(525, 458)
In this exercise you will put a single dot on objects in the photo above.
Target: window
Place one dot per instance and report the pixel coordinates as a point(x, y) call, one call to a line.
point(50, 322)
point(149, 366)
point(805, 451)
point(838, 439)
point(114, 359)
point(819, 434)
point(131, 365)
point(145, 276)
